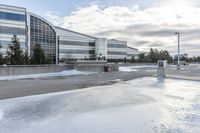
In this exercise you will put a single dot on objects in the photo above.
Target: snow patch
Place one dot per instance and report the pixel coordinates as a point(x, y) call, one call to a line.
point(127, 69)
point(151, 70)
point(135, 68)
point(145, 66)
point(45, 75)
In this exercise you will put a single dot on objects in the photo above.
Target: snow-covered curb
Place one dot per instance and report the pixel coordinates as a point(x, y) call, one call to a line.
point(45, 75)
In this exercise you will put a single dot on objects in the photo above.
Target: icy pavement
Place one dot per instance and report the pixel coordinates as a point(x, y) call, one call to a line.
point(45, 75)
point(146, 105)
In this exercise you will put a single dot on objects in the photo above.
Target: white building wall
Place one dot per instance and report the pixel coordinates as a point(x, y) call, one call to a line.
point(71, 35)
point(101, 47)
point(131, 52)
point(74, 45)
point(117, 49)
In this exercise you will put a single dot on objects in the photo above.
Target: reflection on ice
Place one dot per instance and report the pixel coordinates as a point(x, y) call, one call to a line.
point(141, 105)
point(1, 115)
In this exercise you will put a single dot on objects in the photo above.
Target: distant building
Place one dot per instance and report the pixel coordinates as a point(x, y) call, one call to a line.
point(181, 56)
point(116, 49)
point(58, 43)
point(132, 53)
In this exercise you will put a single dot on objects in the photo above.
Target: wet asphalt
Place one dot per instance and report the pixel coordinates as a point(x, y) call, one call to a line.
point(28, 87)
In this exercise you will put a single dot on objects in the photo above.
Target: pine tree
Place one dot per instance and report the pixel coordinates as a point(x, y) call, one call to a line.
point(15, 54)
point(26, 59)
point(38, 55)
point(92, 54)
point(141, 58)
point(1, 56)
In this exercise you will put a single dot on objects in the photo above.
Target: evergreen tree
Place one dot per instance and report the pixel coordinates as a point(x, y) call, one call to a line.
point(38, 55)
point(164, 55)
point(133, 60)
point(1, 56)
point(154, 55)
point(26, 59)
point(141, 58)
point(93, 55)
point(15, 54)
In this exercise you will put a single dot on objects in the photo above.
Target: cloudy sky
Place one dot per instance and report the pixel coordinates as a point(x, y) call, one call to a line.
point(143, 23)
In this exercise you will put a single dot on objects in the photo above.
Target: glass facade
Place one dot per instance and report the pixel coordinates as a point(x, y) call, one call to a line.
point(42, 33)
point(72, 51)
point(12, 30)
point(116, 53)
point(116, 46)
point(12, 16)
point(5, 44)
point(76, 43)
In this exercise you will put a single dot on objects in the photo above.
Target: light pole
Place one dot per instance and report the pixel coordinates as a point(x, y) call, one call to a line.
point(178, 64)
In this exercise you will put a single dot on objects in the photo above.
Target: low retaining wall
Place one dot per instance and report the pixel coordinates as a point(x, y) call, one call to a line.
point(30, 69)
point(95, 67)
point(35, 69)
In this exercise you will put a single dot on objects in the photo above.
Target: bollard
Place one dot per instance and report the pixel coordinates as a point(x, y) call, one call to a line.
point(161, 68)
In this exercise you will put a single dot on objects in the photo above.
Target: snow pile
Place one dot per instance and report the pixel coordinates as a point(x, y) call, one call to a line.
point(45, 75)
point(151, 70)
point(136, 68)
point(127, 69)
point(144, 66)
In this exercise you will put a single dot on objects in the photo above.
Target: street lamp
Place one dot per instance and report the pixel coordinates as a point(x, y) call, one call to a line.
point(178, 64)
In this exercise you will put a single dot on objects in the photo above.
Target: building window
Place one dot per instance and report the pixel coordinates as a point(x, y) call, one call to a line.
point(12, 30)
point(72, 51)
point(116, 46)
point(5, 44)
point(77, 43)
point(12, 16)
point(116, 53)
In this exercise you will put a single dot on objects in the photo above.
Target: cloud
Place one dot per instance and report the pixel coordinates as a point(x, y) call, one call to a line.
point(142, 28)
point(53, 17)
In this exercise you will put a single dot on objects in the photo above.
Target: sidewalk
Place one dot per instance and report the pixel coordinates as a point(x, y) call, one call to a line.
point(183, 77)
point(191, 72)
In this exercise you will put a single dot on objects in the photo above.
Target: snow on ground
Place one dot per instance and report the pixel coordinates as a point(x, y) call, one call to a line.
point(145, 66)
point(127, 69)
point(151, 70)
point(45, 75)
point(136, 68)
point(146, 105)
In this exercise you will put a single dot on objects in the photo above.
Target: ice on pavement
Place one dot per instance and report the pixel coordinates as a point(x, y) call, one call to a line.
point(1, 115)
point(45, 75)
point(146, 105)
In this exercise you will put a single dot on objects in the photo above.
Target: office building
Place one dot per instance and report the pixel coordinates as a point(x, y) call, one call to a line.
point(58, 44)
